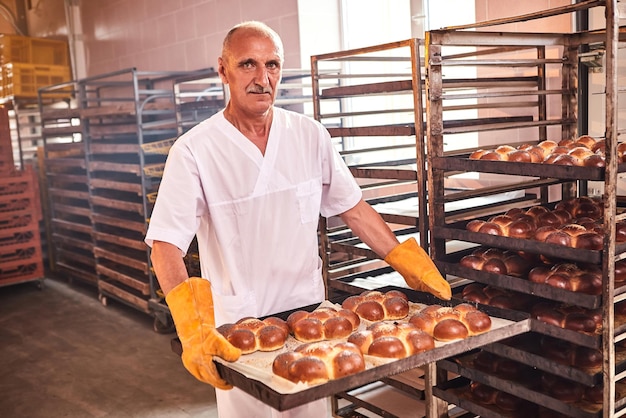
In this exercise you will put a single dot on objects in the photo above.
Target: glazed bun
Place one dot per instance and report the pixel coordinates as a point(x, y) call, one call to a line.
point(567, 317)
point(500, 366)
point(451, 323)
point(392, 340)
point(319, 362)
point(375, 306)
point(561, 389)
point(322, 324)
point(583, 151)
point(521, 156)
point(586, 141)
point(252, 334)
point(493, 156)
point(496, 297)
point(476, 155)
point(570, 277)
point(497, 261)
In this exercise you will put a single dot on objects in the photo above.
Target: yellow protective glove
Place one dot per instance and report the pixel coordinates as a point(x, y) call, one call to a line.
point(418, 269)
point(191, 306)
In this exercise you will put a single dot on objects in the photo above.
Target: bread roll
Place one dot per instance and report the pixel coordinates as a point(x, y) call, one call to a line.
point(476, 155)
point(567, 317)
point(494, 260)
point(520, 156)
point(451, 323)
point(319, 362)
point(377, 306)
point(586, 141)
point(594, 160)
point(392, 340)
point(570, 277)
point(322, 324)
point(252, 334)
point(493, 156)
point(562, 389)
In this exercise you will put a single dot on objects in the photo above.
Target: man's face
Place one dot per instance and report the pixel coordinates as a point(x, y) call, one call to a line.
point(252, 69)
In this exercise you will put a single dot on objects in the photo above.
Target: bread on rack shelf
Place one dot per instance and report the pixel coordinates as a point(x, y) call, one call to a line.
point(500, 366)
point(324, 323)
point(494, 260)
point(488, 395)
point(585, 151)
point(373, 305)
point(562, 389)
point(496, 297)
point(319, 362)
point(574, 223)
point(569, 354)
point(451, 323)
point(392, 340)
point(569, 317)
point(569, 276)
point(252, 334)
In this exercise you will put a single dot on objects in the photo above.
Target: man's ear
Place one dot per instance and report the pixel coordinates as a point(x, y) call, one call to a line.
point(221, 70)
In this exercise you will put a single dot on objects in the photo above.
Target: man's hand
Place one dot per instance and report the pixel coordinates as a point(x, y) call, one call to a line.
point(418, 269)
point(191, 306)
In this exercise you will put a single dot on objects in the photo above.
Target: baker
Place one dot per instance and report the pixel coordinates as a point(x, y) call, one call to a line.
point(250, 182)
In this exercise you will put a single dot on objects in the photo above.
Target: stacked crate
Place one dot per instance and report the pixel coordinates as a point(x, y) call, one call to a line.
point(21, 257)
point(7, 162)
point(28, 63)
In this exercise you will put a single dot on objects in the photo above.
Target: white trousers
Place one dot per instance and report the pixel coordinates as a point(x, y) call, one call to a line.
point(236, 403)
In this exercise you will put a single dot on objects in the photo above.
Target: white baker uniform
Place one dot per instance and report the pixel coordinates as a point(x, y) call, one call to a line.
point(256, 218)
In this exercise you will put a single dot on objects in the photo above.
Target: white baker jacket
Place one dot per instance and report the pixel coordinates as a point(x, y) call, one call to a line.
point(255, 217)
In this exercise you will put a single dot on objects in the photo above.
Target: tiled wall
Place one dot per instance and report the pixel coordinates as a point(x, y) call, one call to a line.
point(496, 9)
point(165, 35)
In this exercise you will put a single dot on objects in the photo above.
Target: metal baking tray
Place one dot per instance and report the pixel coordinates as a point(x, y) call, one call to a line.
point(457, 231)
point(515, 323)
point(463, 163)
point(525, 349)
point(522, 285)
point(591, 340)
point(457, 392)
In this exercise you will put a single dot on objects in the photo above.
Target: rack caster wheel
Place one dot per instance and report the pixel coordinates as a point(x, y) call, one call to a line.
point(103, 299)
point(164, 324)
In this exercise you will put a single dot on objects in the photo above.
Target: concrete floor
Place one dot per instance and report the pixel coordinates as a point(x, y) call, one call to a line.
point(64, 354)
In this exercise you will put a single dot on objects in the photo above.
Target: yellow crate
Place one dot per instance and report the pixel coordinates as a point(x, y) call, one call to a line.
point(158, 147)
point(154, 170)
point(24, 80)
point(151, 197)
point(30, 50)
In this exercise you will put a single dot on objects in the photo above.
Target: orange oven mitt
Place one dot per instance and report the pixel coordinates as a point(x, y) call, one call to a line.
point(191, 306)
point(418, 269)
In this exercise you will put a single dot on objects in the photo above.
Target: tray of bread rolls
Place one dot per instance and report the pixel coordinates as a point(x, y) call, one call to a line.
point(570, 229)
point(569, 159)
point(581, 326)
point(562, 358)
point(574, 283)
point(397, 330)
point(525, 384)
point(489, 402)
point(557, 392)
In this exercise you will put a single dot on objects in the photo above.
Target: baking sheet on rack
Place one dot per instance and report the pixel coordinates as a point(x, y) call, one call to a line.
point(258, 365)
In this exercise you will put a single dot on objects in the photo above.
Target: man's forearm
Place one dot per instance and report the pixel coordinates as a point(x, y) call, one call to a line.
point(168, 264)
point(371, 228)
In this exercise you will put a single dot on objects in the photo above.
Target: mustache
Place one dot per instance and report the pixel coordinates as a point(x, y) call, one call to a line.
point(259, 89)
